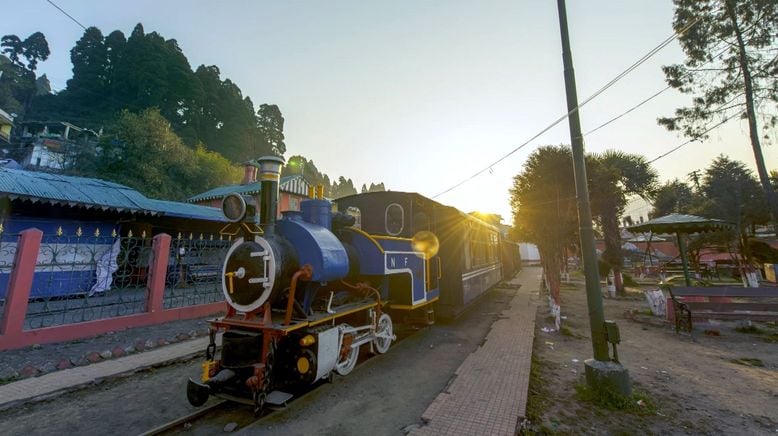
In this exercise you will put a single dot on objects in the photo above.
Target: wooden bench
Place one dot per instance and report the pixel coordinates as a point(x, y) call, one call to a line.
point(725, 303)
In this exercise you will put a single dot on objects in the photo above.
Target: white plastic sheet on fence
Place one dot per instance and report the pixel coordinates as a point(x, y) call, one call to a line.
point(106, 266)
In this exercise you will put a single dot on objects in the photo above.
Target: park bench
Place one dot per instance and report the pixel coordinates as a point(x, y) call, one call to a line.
point(723, 303)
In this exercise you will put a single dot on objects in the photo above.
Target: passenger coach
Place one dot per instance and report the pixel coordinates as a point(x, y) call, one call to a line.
point(469, 258)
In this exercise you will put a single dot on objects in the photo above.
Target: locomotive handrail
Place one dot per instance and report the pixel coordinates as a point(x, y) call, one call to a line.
point(365, 286)
point(305, 272)
point(370, 237)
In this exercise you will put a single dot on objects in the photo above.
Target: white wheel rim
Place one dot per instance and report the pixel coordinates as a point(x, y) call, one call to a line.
point(384, 334)
point(346, 365)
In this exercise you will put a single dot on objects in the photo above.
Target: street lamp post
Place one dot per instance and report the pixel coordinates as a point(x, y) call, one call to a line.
point(601, 371)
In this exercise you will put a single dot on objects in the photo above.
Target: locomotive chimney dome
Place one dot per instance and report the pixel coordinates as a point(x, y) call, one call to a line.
point(270, 167)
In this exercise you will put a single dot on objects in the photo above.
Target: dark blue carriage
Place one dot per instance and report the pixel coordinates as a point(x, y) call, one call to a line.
point(469, 261)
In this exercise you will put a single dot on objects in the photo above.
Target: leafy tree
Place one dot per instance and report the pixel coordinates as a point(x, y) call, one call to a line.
point(364, 189)
point(730, 68)
point(614, 176)
point(342, 188)
point(17, 84)
point(13, 48)
point(36, 49)
point(114, 73)
point(376, 188)
point(544, 211)
point(300, 165)
point(270, 123)
point(730, 192)
point(143, 152)
point(733, 194)
point(42, 85)
point(674, 196)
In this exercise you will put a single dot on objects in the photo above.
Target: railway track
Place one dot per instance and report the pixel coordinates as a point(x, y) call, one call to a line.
point(224, 412)
point(217, 415)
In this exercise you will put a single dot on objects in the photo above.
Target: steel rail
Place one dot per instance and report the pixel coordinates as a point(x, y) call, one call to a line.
point(184, 419)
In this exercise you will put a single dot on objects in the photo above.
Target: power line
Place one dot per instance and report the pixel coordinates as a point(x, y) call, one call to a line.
point(635, 199)
point(613, 81)
point(696, 138)
point(657, 94)
point(66, 14)
point(627, 111)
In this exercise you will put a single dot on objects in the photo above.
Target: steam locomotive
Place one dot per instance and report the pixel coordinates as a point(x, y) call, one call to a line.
point(307, 292)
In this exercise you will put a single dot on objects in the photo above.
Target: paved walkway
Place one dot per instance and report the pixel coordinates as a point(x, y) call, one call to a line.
point(489, 394)
point(45, 386)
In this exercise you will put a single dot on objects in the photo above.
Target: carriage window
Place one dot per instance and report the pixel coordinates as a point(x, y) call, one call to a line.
point(395, 219)
point(357, 214)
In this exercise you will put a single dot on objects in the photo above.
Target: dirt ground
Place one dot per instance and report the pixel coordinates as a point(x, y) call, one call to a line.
point(698, 384)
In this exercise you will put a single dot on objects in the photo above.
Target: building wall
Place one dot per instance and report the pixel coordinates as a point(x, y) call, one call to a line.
point(42, 157)
point(286, 201)
point(5, 132)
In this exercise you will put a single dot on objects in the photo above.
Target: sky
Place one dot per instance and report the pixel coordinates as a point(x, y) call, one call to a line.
point(417, 94)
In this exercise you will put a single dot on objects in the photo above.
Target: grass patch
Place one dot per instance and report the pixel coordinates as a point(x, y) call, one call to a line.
point(538, 398)
point(5, 381)
point(566, 331)
point(771, 338)
point(749, 329)
point(748, 361)
point(638, 403)
point(629, 281)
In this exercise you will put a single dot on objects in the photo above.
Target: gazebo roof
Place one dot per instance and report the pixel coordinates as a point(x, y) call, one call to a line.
point(676, 222)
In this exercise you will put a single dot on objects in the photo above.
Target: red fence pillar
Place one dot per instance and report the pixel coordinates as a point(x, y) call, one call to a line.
point(20, 282)
point(160, 252)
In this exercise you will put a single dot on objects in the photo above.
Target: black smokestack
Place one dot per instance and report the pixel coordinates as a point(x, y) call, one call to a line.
point(269, 175)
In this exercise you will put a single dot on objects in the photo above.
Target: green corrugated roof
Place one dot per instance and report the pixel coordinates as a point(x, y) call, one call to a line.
point(223, 191)
point(93, 194)
point(676, 222)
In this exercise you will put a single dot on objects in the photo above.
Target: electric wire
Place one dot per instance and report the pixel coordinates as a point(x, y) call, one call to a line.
point(66, 14)
point(653, 96)
point(697, 138)
point(597, 93)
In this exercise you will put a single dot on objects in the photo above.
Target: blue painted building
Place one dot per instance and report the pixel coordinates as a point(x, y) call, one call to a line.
point(83, 221)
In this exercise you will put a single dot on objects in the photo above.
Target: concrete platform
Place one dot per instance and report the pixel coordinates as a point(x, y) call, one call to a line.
point(488, 396)
point(55, 383)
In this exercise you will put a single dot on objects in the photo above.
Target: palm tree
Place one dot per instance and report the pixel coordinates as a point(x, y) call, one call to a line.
point(613, 177)
point(543, 203)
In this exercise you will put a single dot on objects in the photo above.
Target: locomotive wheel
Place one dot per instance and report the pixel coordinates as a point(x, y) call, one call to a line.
point(345, 366)
point(384, 334)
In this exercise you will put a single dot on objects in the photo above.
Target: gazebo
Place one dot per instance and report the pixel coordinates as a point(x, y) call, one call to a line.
point(680, 224)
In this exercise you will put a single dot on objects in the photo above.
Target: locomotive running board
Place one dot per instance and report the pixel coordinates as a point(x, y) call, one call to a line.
point(278, 398)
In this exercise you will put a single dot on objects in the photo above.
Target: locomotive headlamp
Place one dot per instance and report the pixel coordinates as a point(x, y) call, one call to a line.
point(426, 242)
point(234, 207)
point(307, 340)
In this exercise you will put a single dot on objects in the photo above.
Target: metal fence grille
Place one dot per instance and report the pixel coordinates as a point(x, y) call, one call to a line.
point(82, 277)
point(194, 270)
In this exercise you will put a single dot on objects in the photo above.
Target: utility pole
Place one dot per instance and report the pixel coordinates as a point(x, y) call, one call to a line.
point(601, 371)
